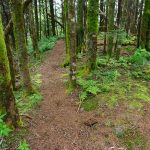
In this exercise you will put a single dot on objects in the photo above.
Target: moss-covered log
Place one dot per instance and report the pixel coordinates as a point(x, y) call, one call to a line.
point(7, 100)
point(19, 32)
point(92, 30)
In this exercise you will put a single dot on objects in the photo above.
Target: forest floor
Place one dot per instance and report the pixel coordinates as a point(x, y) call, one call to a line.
point(56, 124)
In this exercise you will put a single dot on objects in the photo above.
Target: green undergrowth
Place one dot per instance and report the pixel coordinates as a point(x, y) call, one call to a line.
point(116, 81)
point(129, 135)
point(118, 87)
point(26, 102)
point(45, 44)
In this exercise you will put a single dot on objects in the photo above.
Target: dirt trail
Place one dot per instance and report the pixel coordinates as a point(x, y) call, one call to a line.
point(58, 125)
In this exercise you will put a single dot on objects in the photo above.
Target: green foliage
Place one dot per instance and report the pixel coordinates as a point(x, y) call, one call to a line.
point(23, 145)
point(47, 43)
point(27, 102)
point(131, 138)
point(130, 40)
point(4, 129)
point(111, 75)
point(44, 44)
point(90, 104)
point(140, 57)
point(88, 87)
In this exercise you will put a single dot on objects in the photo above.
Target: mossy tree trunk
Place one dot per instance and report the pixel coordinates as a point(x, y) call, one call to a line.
point(19, 31)
point(7, 100)
point(139, 23)
point(92, 30)
point(52, 17)
point(33, 32)
point(80, 25)
point(72, 41)
point(66, 29)
point(36, 17)
point(6, 16)
point(145, 28)
point(118, 43)
point(110, 26)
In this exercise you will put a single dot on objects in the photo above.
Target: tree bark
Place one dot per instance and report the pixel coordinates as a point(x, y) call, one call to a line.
point(92, 30)
point(52, 16)
point(7, 99)
point(19, 31)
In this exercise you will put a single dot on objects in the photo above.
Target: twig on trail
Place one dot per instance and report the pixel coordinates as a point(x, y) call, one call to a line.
point(26, 115)
point(79, 106)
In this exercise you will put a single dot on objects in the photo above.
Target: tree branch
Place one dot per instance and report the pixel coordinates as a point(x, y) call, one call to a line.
point(56, 20)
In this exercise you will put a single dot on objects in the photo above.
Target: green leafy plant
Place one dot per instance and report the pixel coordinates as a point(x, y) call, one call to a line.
point(23, 145)
point(44, 44)
point(4, 129)
point(88, 87)
point(140, 57)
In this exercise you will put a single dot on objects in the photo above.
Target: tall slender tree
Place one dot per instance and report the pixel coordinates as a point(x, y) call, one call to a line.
point(33, 31)
point(145, 28)
point(19, 31)
point(92, 30)
point(52, 17)
point(80, 25)
point(7, 99)
point(36, 17)
point(72, 41)
point(110, 27)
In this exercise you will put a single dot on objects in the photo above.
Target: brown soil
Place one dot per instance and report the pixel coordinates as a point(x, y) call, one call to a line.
point(57, 125)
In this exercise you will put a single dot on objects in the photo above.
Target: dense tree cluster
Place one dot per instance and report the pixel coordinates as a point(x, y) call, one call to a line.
point(81, 22)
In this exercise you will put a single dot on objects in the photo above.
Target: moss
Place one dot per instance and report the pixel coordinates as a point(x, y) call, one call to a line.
point(4, 67)
point(19, 32)
point(90, 104)
point(7, 100)
point(92, 27)
point(92, 18)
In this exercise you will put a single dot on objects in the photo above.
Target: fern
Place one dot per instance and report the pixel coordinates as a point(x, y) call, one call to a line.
point(140, 57)
point(4, 129)
point(88, 87)
point(23, 146)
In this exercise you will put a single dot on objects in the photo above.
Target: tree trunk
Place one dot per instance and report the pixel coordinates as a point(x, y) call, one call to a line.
point(7, 100)
point(139, 24)
point(19, 31)
point(92, 30)
point(110, 27)
point(33, 32)
point(145, 28)
point(52, 16)
point(80, 25)
point(36, 17)
point(72, 42)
